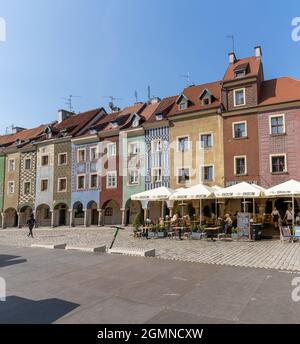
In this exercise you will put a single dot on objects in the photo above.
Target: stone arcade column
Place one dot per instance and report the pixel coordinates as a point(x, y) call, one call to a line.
point(99, 217)
point(85, 217)
point(72, 224)
point(3, 220)
point(123, 216)
point(19, 219)
point(52, 218)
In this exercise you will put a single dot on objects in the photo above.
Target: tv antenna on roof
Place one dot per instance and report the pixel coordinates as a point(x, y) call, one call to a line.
point(69, 102)
point(111, 103)
point(9, 129)
point(232, 40)
point(187, 76)
point(136, 96)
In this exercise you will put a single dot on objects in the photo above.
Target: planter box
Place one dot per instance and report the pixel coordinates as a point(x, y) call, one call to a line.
point(196, 235)
point(234, 236)
point(152, 234)
point(161, 234)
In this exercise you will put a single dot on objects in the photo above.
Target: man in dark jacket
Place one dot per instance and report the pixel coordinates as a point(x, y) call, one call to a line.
point(30, 224)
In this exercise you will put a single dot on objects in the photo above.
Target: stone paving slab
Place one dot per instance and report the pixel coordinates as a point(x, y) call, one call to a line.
point(268, 254)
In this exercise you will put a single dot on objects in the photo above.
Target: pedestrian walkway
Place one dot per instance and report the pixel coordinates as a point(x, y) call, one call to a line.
point(269, 254)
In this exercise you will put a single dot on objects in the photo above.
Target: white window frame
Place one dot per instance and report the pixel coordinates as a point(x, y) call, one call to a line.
point(246, 129)
point(43, 155)
point(190, 177)
point(234, 165)
point(184, 104)
point(27, 182)
point(113, 144)
point(153, 143)
point(8, 187)
point(47, 185)
point(27, 159)
point(202, 176)
point(78, 155)
point(14, 165)
point(278, 155)
point(58, 184)
point(58, 159)
point(138, 177)
point(177, 143)
point(270, 123)
point(135, 143)
point(212, 140)
point(77, 182)
point(96, 150)
point(234, 96)
point(107, 178)
point(153, 176)
point(94, 187)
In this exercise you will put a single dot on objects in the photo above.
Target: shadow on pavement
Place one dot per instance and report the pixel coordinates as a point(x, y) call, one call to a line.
point(7, 259)
point(18, 310)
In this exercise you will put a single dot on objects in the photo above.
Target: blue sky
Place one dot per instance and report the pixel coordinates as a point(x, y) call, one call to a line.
point(96, 48)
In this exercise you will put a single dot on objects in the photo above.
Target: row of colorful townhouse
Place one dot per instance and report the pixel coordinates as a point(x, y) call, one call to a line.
point(83, 169)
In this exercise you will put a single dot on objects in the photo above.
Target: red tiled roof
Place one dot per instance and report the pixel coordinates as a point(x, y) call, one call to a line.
point(25, 135)
point(279, 90)
point(253, 67)
point(193, 93)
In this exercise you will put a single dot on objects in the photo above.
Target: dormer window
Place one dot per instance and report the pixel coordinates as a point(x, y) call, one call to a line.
point(206, 97)
point(135, 122)
point(182, 102)
point(159, 116)
point(183, 105)
point(114, 125)
point(241, 70)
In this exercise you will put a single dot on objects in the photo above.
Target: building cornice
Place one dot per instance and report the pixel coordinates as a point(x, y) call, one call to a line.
point(157, 124)
point(238, 82)
point(194, 114)
point(85, 139)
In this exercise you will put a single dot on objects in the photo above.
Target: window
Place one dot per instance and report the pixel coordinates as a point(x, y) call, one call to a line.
point(278, 163)
point(11, 187)
point(183, 175)
point(27, 187)
point(240, 73)
point(93, 153)
point(133, 148)
point(207, 173)
point(133, 177)
point(81, 155)
point(94, 181)
point(112, 149)
point(80, 182)
point(62, 159)
point(239, 97)
point(277, 125)
point(206, 101)
point(27, 164)
point(111, 179)
point(79, 213)
point(240, 165)
point(183, 106)
point(11, 165)
point(45, 160)
point(62, 184)
point(239, 130)
point(156, 175)
point(206, 140)
point(183, 144)
point(156, 146)
point(44, 185)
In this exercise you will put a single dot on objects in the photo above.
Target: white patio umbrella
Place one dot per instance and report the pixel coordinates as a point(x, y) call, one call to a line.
point(241, 190)
point(159, 194)
point(291, 188)
point(198, 191)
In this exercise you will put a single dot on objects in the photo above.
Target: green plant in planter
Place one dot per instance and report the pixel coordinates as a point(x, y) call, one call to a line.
point(194, 228)
point(201, 228)
point(234, 230)
point(138, 221)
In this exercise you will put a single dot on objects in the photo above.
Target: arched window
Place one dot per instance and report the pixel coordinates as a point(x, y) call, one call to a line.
point(79, 211)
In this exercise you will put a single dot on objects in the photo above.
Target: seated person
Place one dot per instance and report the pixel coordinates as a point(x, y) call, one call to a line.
point(174, 219)
point(161, 222)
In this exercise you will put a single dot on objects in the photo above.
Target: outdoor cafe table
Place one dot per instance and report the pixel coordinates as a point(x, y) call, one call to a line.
point(212, 230)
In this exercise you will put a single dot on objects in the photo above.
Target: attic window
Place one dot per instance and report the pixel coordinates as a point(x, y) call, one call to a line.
point(183, 105)
point(240, 73)
point(206, 100)
point(114, 125)
point(206, 97)
point(159, 116)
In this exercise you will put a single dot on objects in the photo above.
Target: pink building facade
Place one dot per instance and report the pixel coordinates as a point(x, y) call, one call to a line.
point(279, 146)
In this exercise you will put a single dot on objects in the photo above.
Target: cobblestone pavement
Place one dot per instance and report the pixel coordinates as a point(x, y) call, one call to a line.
point(270, 254)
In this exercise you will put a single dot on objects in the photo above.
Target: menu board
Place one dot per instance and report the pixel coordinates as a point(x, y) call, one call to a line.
point(243, 224)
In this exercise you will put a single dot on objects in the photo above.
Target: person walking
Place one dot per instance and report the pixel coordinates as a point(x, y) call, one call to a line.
point(30, 223)
point(289, 215)
point(275, 216)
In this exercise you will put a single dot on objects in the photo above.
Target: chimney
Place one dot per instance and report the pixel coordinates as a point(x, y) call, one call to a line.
point(64, 114)
point(154, 100)
point(232, 57)
point(258, 52)
point(15, 130)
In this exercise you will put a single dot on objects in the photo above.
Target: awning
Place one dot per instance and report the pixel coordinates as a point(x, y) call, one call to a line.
point(286, 189)
point(158, 194)
point(241, 190)
point(199, 191)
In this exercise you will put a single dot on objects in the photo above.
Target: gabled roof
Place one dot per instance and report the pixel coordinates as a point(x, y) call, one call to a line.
point(182, 95)
point(280, 90)
point(252, 63)
point(193, 93)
